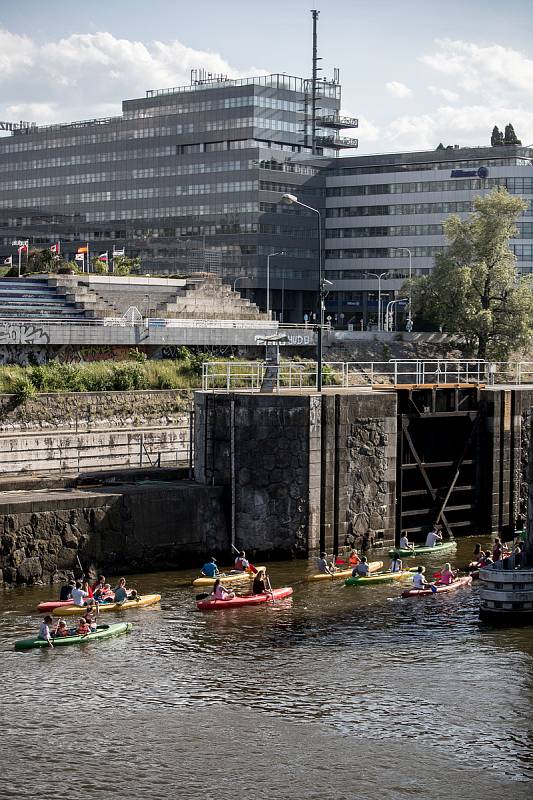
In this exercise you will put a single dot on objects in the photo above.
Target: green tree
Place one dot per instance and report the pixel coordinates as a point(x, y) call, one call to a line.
point(122, 265)
point(474, 289)
point(496, 138)
point(41, 261)
point(510, 135)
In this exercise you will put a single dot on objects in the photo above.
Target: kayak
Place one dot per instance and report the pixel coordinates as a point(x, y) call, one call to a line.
point(102, 632)
point(380, 577)
point(341, 574)
point(45, 608)
point(423, 550)
point(145, 600)
point(450, 587)
point(235, 576)
point(249, 600)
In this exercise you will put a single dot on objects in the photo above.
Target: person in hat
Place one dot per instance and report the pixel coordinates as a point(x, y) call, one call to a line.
point(210, 569)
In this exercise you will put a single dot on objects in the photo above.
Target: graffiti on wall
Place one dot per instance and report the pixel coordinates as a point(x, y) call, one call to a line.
point(76, 354)
point(22, 333)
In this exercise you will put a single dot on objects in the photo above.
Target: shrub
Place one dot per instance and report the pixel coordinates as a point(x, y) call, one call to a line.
point(23, 389)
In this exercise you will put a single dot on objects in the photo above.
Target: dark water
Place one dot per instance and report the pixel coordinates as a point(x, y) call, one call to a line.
point(337, 693)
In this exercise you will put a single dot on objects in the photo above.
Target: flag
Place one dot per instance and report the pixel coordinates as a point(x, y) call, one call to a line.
point(55, 248)
point(83, 249)
point(79, 257)
point(23, 248)
point(9, 260)
point(119, 252)
point(103, 256)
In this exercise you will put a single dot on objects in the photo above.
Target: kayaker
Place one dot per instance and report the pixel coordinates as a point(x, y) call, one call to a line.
point(66, 591)
point(61, 629)
point(446, 575)
point(353, 558)
point(259, 585)
point(485, 560)
point(120, 591)
point(104, 595)
point(322, 565)
point(83, 627)
point(219, 593)
point(44, 631)
point(90, 620)
point(210, 569)
point(361, 570)
point(433, 537)
point(86, 586)
point(241, 562)
point(99, 584)
point(405, 544)
point(419, 579)
point(79, 595)
point(396, 564)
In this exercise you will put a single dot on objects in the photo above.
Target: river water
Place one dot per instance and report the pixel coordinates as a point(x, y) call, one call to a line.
point(336, 693)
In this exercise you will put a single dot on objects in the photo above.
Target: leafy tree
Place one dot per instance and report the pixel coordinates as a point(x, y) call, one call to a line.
point(496, 138)
point(440, 146)
point(41, 261)
point(474, 289)
point(510, 135)
point(122, 265)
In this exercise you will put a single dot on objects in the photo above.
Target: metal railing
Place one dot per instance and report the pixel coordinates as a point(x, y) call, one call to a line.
point(249, 375)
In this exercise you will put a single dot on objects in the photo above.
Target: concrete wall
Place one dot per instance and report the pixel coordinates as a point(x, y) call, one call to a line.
point(93, 430)
point(125, 529)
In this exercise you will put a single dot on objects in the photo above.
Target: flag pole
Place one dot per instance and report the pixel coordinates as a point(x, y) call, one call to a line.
point(88, 261)
point(20, 252)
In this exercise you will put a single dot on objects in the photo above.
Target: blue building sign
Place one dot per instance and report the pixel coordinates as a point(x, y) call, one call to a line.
point(482, 172)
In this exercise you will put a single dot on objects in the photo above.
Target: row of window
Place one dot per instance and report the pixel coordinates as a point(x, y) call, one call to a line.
point(260, 101)
point(377, 169)
point(173, 211)
point(512, 184)
point(358, 274)
point(405, 209)
point(382, 252)
point(525, 231)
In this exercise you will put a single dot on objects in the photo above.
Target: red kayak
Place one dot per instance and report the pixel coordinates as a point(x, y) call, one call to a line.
point(249, 600)
point(449, 587)
point(51, 604)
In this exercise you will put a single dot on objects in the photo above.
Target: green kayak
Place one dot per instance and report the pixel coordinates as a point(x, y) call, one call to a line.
point(378, 577)
point(424, 551)
point(102, 632)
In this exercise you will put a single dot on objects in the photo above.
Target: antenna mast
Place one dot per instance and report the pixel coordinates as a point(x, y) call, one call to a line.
point(314, 81)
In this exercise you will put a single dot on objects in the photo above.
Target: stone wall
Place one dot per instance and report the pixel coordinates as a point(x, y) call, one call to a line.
point(129, 529)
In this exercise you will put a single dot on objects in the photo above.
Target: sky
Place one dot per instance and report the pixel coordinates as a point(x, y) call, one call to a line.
point(415, 72)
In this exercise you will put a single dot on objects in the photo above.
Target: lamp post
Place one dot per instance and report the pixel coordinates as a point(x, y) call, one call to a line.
point(280, 253)
point(379, 277)
point(240, 278)
point(390, 304)
point(409, 313)
point(291, 199)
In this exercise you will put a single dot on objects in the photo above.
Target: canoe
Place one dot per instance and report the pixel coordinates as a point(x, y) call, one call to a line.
point(380, 577)
point(46, 608)
point(236, 576)
point(451, 587)
point(240, 602)
point(102, 632)
point(144, 600)
point(423, 550)
point(342, 574)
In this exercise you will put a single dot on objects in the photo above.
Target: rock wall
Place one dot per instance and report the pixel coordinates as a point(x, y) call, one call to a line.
point(133, 528)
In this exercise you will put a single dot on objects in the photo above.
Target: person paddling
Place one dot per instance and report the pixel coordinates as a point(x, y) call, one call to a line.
point(219, 593)
point(120, 591)
point(259, 585)
point(79, 595)
point(419, 579)
point(362, 570)
point(447, 576)
point(434, 537)
point(396, 564)
point(405, 544)
point(322, 565)
point(45, 633)
point(210, 569)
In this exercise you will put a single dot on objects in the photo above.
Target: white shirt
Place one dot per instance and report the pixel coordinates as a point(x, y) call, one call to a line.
point(44, 632)
point(418, 580)
point(432, 539)
point(404, 543)
point(396, 565)
point(78, 595)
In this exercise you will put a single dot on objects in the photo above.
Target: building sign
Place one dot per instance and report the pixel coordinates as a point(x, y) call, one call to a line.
point(482, 172)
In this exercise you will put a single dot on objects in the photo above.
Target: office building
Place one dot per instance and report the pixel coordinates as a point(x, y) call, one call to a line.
point(383, 209)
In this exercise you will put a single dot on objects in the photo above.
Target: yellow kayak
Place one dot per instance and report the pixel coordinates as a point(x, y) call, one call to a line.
point(342, 574)
point(225, 578)
point(144, 600)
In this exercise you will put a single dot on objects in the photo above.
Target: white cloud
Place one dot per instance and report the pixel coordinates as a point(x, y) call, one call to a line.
point(88, 75)
point(446, 94)
point(486, 69)
point(398, 89)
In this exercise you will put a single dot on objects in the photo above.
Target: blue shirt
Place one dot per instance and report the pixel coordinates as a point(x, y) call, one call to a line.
point(120, 594)
point(210, 569)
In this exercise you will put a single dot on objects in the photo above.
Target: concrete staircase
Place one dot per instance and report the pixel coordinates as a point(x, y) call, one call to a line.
point(206, 297)
point(90, 302)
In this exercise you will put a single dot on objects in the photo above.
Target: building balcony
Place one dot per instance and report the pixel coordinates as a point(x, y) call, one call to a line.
point(337, 122)
point(337, 142)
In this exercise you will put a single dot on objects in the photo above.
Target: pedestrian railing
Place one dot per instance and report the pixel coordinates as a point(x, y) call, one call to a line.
point(247, 375)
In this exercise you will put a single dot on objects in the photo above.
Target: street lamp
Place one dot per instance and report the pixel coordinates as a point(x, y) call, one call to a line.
point(281, 253)
point(240, 278)
point(291, 199)
point(379, 277)
point(409, 313)
point(390, 304)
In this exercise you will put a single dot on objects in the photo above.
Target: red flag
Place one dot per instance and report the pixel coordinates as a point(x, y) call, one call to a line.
point(23, 248)
point(55, 248)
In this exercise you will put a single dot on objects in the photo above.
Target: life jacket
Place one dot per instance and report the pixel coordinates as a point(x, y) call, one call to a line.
point(354, 561)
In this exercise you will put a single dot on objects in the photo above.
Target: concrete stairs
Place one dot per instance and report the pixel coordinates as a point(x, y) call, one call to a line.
point(206, 297)
point(92, 303)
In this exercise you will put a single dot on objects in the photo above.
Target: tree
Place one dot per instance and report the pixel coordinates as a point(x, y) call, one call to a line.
point(440, 146)
point(510, 135)
point(474, 289)
point(122, 265)
point(496, 138)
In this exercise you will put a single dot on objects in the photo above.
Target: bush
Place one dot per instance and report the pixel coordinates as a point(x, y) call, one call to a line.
point(23, 389)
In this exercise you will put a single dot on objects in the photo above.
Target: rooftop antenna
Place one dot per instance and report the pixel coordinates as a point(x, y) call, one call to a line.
point(314, 80)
